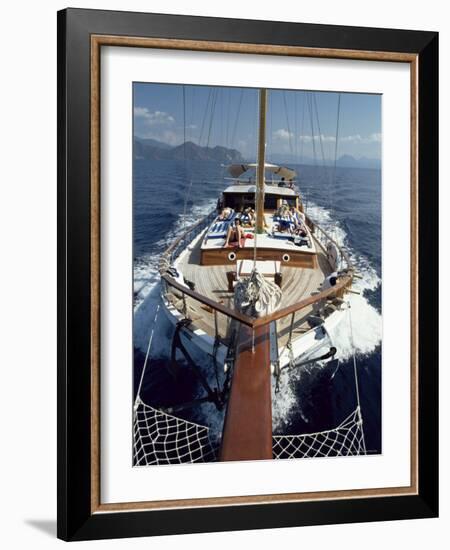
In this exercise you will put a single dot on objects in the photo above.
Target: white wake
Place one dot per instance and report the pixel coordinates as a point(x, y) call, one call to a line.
point(366, 324)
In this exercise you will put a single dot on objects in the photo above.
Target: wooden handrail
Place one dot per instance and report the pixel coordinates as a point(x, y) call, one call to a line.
point(174, 243)
point(208, 302)
point(341, 250)
point(261, 321)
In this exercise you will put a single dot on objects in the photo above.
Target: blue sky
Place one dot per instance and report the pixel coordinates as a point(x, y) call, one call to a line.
point(298, 123)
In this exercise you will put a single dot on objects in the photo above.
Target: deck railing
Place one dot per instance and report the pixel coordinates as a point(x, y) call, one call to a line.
point(181, 242)
point(320, 236)
point(323, 239)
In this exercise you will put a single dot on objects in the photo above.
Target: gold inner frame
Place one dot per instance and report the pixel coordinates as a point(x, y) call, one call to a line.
point(97, 41)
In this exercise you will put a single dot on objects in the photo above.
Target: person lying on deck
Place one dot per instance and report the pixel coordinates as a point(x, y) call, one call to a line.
point(283, 210)
point(284, 226)
point(297, 214)
point(234, 234)
point(225, 214)
point(284, 218)
point(298, 219)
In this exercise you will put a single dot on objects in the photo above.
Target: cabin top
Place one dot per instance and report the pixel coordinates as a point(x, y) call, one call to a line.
point(236, 170)
point(240, 196)
point(268, 189)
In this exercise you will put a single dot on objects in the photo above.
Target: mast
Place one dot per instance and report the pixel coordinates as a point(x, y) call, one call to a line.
point(247, 431)
point(261, 162)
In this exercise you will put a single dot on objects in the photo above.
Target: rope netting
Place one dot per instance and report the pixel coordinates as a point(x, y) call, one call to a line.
point(347, 439)
point(160, 438)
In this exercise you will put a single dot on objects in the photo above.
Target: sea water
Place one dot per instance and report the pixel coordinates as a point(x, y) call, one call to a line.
point(169, 196)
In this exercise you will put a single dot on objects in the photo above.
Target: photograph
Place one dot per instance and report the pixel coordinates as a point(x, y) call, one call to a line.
point(247, 273)
point(257, 274)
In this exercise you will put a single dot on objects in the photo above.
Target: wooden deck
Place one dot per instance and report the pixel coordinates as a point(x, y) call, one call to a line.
point(211, 281)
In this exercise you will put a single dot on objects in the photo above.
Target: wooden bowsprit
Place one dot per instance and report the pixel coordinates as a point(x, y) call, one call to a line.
point(247, 433)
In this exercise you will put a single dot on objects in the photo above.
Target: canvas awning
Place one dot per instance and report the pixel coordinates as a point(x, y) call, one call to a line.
point(237, 170)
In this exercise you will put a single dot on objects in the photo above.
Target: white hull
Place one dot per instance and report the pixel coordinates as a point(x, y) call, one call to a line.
point(197, 337)
point(313, 342)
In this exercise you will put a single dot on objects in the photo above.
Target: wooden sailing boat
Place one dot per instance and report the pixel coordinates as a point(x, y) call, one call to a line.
point(200, 272)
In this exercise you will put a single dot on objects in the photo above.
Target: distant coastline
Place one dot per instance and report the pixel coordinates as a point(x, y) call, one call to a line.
point(152, 149)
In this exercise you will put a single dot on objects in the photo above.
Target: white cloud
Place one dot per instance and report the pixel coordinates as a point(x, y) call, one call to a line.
point(324, 138)
point(282, 134)
point(357, 138)
point(155, 118)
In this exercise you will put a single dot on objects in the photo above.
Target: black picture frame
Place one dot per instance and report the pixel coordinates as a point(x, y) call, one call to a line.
point(75, 518)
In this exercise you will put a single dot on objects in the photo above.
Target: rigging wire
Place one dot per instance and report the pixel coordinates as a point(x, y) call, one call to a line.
point(287, 123)
point(185, 160)
point(204, 116)
point(223, 165)
point(228, 119)
point(327, 175)
point(213, 108)
point(147, 355)
point(184, 125)
point(313, 137)
point(302, 141)
point(237, 115)
point(221, 131)
point(336, 142)
point(296, 125)
point(355, 371)
point(319, 130)
point(313, 133)
point(192, 118)
point(271, 127)
point(302, 145)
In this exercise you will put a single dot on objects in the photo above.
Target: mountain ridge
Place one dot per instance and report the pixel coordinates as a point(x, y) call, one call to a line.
point(152, 149)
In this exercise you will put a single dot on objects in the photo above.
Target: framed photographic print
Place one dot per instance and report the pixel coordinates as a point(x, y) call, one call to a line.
point(247, 274)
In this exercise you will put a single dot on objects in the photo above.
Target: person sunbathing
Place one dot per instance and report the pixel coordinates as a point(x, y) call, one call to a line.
point(298, 221)
point(234, 234)
point(297, 215)
point(248, 217)
point(285, 219)
point(282, 211)
point(283, 226)
point(300, 231)
point(225, 214)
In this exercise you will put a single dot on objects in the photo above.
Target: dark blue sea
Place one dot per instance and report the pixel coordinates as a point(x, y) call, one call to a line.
point(171, 195)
